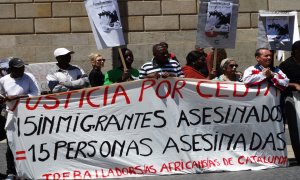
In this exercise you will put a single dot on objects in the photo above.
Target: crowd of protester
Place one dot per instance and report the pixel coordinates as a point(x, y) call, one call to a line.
point(15, 83)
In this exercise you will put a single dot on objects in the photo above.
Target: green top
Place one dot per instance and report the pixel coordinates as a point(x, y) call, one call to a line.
point(114, 75)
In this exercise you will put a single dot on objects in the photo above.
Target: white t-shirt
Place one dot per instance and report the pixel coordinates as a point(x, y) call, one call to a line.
point(25, 85)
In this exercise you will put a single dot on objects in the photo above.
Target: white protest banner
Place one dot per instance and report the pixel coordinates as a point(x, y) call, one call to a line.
point(217, 23)
point(277, 30)
point(40, 71)
point(146, 128)
point(105, 21)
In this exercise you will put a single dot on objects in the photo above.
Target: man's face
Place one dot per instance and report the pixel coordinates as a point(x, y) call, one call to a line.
point(128, 56)
point(17, 72)
point(161, 55)
point(265, 58)
point(64, 61)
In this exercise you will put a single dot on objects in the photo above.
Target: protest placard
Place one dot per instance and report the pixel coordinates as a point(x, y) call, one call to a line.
point(217, 23)
point(105, 21)
point(146, 128)
point(277, 30)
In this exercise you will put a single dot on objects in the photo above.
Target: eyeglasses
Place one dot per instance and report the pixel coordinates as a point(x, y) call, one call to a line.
point(100, 60)
point(233, 65)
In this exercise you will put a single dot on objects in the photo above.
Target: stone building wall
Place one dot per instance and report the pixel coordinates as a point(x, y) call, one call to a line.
point(32, 29)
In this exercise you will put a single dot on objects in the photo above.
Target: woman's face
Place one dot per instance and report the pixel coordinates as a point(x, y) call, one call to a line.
point(99, 62)
point(200, 62)
point(231, 67)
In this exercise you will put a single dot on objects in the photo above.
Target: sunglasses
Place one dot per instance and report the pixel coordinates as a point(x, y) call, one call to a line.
point(233, 65)
point(101, 60)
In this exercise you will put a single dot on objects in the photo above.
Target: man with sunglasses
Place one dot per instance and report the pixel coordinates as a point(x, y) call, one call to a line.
point(264, 71)
point(161, 66)
point(66, 77)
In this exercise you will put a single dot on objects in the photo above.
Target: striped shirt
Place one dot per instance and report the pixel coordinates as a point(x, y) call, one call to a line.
point(151, 67)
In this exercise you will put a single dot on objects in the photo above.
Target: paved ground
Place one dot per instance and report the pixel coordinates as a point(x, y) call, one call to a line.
point(290, 173)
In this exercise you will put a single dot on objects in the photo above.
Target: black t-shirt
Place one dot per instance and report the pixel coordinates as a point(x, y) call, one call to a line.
point(96, 78)
point(292, 70)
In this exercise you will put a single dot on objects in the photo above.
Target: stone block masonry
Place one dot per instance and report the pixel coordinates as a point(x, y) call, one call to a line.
point(32, 29)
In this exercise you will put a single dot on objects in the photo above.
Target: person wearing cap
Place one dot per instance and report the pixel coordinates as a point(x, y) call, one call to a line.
point(65, 77)
point(264, 72)
point(195, 61)
point(229, 71)
point(291, 68)
point(17, 84)
point(118, 74)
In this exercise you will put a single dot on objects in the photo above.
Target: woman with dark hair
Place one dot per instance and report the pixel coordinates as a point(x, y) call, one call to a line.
point(229, 71)
point(196, 66)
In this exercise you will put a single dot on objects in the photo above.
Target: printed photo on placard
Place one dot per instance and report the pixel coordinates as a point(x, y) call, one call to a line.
point(218, 18)
point(105, 22)
point(108, 16)
point(277, 29)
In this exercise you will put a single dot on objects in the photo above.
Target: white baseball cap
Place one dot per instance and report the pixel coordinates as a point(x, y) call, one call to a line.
point(62, 51)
